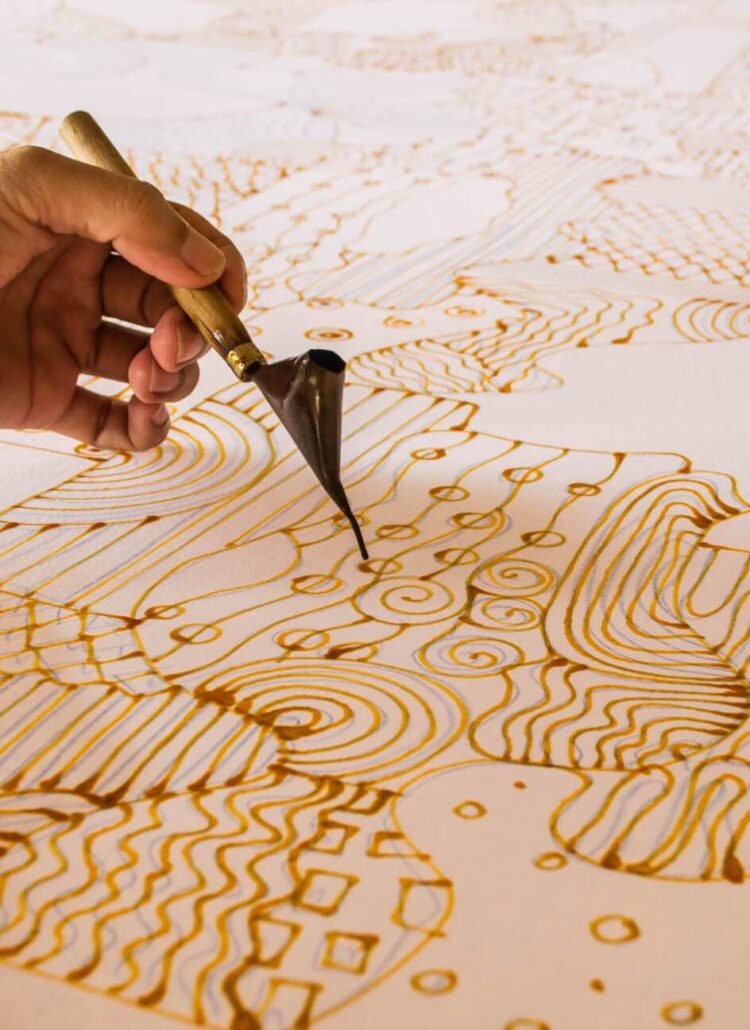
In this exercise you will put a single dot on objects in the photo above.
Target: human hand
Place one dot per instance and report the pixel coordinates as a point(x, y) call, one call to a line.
point(60, 282)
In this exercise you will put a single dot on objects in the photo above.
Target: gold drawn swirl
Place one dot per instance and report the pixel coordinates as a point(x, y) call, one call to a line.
point(403, 599)
point(470, 657)
point(513, 576)
point(343, 717)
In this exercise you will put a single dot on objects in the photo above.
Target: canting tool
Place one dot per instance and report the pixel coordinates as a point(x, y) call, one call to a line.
point(305, 392)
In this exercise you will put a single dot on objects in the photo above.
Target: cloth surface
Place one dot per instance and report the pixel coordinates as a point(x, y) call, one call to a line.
point(497, 776)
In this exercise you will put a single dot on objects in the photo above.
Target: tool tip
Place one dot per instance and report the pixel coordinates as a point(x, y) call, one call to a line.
point(338, 496)
point(358, 534)
point(355, 527)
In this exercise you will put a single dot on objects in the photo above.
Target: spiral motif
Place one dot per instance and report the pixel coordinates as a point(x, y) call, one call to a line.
point(344, 718)
point(508, 614)
point(404, 599)
point(469, 657)
point(514, 576)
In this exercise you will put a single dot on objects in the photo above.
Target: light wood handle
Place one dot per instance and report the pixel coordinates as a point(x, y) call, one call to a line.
point(207, 307)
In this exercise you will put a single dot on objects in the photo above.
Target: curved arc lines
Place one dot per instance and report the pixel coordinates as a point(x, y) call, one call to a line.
point(570, 621)
point(706, 320)
point(597, 646)
point(273, 694)
point(187, 472)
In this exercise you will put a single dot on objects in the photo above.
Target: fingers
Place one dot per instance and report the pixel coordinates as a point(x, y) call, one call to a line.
point(153, 384)
point(175, 341)
point(113, 350)
point(134, 296)
point(112, 424)
point(143, 422)
point(126, 356)
point(70, 197)
point(131, 295)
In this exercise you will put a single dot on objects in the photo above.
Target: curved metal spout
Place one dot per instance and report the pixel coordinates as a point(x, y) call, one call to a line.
point(306, 394)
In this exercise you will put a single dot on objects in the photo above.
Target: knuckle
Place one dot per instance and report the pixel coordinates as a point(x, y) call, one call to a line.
point(143, 200)
point(23, 170)
point(25, 160)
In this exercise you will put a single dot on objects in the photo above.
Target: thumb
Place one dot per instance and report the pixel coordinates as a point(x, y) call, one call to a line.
point(69, 197)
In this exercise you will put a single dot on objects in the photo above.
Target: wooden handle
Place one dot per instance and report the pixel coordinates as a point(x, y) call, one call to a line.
point(207, 307)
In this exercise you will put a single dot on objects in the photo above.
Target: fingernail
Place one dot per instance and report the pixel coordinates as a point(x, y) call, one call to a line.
point(189, 344)
point(160, 415)
point(202, 256)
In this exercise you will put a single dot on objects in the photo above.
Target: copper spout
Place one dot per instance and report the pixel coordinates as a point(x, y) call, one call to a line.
point(306, 393)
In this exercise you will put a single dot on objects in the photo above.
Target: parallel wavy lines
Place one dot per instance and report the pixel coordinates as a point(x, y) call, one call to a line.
point(107, 745)
point(640, 668)
point(544, 184)
point(506, 356)
point(684, 809)
point(680, 822)
point(576, 718)
point(178, 920)
point(715, 598)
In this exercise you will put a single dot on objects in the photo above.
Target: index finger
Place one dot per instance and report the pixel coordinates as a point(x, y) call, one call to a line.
point(69, 197)
point(233, 279)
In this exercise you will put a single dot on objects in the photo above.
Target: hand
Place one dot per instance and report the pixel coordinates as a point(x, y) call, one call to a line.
point(60, 282)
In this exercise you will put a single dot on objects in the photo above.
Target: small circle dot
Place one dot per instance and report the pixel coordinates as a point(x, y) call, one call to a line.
point(434, 981)
point(682, 1013)
point(550, 860)
point(614, 929)
point(470, 810)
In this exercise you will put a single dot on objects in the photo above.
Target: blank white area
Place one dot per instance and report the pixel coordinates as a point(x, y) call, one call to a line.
point(152, 80)
point(455, 210)
point(28, 471)
point(691, 399)
point(398, 18)
point(31, 1002)
point(679, 193)
point(155, 15)
point(681, 58)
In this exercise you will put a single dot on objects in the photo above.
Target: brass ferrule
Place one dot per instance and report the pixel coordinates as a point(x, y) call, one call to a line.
point(242, 359)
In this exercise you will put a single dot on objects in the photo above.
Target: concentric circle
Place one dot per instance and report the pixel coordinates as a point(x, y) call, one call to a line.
point(343, 717)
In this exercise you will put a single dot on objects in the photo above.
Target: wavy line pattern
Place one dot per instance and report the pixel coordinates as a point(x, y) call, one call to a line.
point(506, 356)
point(213, 714)
point(224, 883)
